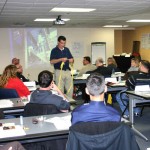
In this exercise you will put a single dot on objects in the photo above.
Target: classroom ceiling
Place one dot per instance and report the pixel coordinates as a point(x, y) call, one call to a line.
point(21, 13)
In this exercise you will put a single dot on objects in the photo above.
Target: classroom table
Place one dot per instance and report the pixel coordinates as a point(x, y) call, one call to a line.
point(52, 127)
point(111, 89)
point(136, 97)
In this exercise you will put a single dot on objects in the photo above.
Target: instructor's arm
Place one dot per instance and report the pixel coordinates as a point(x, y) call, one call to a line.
point(71, 60)
point(54, 61)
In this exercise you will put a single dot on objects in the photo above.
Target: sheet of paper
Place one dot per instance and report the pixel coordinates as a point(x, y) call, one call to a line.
point(112, 80)
point(61, 123)
point(142, 88)
point(6, 103)
point(80, 78)
point(117, 75)
point(25, 102)
point(124, 120)
point(122, 83)
point(18, 131)
point(127, 55)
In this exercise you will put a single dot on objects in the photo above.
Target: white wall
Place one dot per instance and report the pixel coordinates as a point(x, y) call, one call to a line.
point(82, 35)
point(87, 36)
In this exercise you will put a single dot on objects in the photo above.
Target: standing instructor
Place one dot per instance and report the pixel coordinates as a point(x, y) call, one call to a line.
point(61, 57)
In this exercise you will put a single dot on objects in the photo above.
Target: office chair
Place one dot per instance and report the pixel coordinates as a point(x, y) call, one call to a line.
point(101, 136)
point(1, 114)
point(8, 93)
point(35, 109)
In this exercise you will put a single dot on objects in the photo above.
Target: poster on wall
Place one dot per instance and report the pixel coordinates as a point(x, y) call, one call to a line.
point(145, 41)
point(98, 49)
point(77, 49)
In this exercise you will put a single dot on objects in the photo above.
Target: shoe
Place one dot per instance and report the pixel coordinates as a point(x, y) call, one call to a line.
point(125, 116)
point(137, 114)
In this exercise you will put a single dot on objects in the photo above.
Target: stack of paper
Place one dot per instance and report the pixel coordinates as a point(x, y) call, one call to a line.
point(6, 103)
point(16, 131)
point(61, 123)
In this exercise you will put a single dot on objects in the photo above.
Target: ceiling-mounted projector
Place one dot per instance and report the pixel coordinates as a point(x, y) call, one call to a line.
point(59, 21)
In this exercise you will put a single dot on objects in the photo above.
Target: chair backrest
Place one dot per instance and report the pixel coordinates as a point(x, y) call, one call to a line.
point(34, 109)
point(101, 135)
point(8, 93)
point(1, 114)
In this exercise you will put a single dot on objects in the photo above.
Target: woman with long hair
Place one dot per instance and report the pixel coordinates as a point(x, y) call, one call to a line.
point(10, 80)
point(111, 65)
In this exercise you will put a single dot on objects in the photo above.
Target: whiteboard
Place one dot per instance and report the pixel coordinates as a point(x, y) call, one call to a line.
point(98, 49)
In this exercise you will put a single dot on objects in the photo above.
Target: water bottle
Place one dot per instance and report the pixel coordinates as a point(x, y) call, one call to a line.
point(113, 71)
point(119, 79)
point(21, 120)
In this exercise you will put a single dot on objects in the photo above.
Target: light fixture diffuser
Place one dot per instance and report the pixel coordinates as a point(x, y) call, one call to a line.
point(57, 9)
point(138, 20)
point(115, 26)
point(49, 19)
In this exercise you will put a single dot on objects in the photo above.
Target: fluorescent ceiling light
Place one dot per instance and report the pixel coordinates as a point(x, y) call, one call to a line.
point(115, 26)
point(56, 9)
point(48, 19)
point(135, 20)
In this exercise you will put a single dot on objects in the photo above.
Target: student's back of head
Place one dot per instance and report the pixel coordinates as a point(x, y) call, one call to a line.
point(111, 60)
point(45, 78)
point(144, 66)
point(99, 62)
point(95, 84)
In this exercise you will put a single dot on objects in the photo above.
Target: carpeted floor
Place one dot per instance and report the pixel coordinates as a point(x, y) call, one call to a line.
point(143, 125)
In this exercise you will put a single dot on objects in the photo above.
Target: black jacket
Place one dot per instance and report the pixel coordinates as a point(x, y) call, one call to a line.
point(113, 68)
point(102, 70)
point(133, 79)
point(101, 136)
point(22, 77)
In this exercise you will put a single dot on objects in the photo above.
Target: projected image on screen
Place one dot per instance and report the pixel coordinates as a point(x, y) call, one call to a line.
point(16, 42)
point(32, 45)
point(39, 43)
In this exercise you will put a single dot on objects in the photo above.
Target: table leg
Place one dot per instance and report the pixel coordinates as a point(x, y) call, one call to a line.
point(139, 133)
point(132, 103)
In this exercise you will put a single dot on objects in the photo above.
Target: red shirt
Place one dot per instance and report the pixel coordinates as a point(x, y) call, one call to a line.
point(17, 84)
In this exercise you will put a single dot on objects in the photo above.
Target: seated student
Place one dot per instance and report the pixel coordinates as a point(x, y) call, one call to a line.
point(144, 73)
point(87, 66)
point(10, 80)
point(134, 65)
point(15, 61)
point(45, 95)
point(101, 68)
point(20, 75)
point(111, 64)
point(96, 110)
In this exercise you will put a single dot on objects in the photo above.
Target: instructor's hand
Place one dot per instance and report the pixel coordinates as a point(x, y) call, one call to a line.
point(64, 59)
